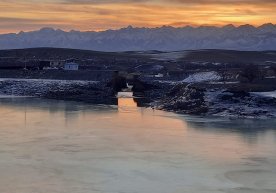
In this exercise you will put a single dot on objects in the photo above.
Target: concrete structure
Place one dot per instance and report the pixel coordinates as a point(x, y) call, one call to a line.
point(56, 63)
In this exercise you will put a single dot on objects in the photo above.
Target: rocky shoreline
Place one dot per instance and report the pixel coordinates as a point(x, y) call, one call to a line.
point(189, 99)
point(181, 98)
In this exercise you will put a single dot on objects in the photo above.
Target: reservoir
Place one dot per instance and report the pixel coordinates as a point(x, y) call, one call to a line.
point(49, 146)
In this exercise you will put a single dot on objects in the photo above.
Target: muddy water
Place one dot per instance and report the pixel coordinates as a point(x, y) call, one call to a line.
point(66, 147)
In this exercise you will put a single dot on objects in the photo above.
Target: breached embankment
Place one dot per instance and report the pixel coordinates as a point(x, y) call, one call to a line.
point(185, 98)
point(227, 102)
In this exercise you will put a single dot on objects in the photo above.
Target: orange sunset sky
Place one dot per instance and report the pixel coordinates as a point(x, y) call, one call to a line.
point(88, 15)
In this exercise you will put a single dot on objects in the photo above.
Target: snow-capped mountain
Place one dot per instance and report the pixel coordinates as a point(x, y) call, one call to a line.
point(166, 38)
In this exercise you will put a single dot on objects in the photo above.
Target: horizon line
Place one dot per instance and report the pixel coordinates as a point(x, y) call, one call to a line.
point(138, 27)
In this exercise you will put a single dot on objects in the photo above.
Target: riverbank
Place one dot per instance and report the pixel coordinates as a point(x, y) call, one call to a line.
point(184, 98)
point(231, 100)
point(83, 91)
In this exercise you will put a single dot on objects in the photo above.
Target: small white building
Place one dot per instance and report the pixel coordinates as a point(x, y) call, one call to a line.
point(71, 66)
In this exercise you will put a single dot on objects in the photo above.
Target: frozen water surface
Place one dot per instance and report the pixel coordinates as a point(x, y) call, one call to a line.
point(65, 147)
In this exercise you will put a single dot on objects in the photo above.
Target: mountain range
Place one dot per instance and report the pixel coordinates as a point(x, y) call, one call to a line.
point(166, 38)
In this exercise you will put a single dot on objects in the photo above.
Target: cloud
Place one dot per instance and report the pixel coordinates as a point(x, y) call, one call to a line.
point(17, 15)
point(102, 1)
point(230, 2)
point(192, 2)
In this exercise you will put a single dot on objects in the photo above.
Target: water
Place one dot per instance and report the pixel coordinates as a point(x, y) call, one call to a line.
point(52, 146)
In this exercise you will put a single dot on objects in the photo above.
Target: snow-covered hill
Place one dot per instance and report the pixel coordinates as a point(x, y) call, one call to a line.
point(166, 38)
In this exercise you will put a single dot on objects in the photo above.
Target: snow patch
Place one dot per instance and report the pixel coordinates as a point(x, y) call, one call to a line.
point(254, 106)
point(266, 94)
point(12, 96)
point(125, 95)
point(226, 82)
point(48, 81)
point(168, 56)
point(38, 87)
point(203, 77)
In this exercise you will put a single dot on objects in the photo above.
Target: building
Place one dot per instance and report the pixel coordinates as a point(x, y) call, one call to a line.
point(71, 66)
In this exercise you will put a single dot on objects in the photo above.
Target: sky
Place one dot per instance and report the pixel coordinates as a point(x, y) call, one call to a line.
point(98, 15)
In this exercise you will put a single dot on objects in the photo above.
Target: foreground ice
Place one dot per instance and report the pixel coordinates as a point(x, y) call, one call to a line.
point(65, 147)
point(266, 94)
